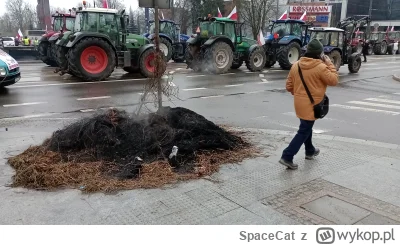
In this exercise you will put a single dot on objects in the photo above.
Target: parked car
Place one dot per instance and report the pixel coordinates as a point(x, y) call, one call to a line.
point(8, 41)
point(9, 70)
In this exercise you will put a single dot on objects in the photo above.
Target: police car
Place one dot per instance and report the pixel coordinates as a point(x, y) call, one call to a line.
point(9, 70)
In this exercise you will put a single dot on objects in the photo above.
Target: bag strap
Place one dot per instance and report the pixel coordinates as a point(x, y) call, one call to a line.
point(305, 85)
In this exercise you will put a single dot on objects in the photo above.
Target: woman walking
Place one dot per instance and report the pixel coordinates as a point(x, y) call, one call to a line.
point(315, 72)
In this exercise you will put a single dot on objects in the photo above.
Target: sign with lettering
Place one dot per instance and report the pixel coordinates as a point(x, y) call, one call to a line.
point(323, 18)
point(310, 9)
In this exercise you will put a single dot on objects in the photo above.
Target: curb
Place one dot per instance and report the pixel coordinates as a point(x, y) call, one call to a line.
point(396, 77)
point(324, 137)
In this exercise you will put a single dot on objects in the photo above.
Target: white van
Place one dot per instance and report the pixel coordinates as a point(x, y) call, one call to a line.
point(8, 41)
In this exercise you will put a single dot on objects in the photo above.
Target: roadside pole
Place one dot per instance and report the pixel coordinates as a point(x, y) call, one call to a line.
point(157, 42)
point(369, 23)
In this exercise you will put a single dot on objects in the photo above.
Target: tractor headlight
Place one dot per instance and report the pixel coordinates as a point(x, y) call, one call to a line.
point(3, 71)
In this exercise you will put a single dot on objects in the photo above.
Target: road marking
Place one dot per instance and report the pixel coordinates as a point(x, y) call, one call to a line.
point(87, 110)
point(79, 83)
point(365, 109)
point(193, 89)
point(326, 118)
point(255, 92)
point(196, 76)
point(261, 75)
point(258, 117)
point(234, 85)
point(212, 96)
point(94, 98)
point(397, 93)
point(379, 68)
point(392, 62)
point(22, 104)
point(227, 74)
point(178, 69)
point(384, 100)
point(172, 84)
point(265, 71)
point(264, 81)
point(374, 104)
point(29, 116)
point(171, 72)
point(249, 72)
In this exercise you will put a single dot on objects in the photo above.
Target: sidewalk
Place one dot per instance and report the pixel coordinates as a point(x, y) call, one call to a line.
point(351, 182)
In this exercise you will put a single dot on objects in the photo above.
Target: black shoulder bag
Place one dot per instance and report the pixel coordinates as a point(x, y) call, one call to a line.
point(321, 109)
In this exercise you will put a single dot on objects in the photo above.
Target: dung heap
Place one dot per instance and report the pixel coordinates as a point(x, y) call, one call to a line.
point(117, 147)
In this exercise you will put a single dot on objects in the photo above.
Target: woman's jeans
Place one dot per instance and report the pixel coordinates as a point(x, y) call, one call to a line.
point(303, 136)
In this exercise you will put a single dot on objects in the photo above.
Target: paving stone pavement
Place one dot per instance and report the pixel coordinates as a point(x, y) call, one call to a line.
point(351, 182)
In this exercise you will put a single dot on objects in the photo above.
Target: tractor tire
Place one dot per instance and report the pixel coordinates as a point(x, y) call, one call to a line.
point(166, 48)
point(92, 59)
point(131, 69)
point(53, 53)
point(61, 57)
point(179, 60)
point(288, 55)
point(219, 58)
point(147, 65)
point(354, 63)
point(42, 50)
point(377, 49)
point(192, 62)
point(257, 60)
point(236, 64)
point(270, 63)
point(336, 59)
point(390, 49)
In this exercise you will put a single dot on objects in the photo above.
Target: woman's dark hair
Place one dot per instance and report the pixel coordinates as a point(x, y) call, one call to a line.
point(312, 56)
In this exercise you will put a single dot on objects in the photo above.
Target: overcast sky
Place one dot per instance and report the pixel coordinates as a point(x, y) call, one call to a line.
point(65, 4)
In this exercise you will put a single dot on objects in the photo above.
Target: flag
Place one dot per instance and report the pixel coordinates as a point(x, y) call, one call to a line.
point(19, 33)
point(358, 31)
point(392, 28)
point(219, 13)
point(304, 16)
point(233, 14)
point(284, 16)
point(198, 29)
point(388, 29)
point(162, 15)
point(260, 38)
point(105, 4)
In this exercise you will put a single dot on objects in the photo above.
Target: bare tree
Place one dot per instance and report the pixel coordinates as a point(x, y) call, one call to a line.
point(6, 24)
point(255, 14)
point(16, 10)
point(53, 10)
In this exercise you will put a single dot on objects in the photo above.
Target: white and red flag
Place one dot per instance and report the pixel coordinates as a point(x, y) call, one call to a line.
point(219, 13)
point(19, 35)
point(105, 4)
point(304, 16)
point(233, 15)
point(284, 16)
point(392, 28)
point(260, 38)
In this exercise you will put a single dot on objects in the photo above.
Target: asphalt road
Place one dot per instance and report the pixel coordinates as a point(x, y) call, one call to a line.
point(364, 105)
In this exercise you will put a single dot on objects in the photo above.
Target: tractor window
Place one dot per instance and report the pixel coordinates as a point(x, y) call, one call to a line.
point(374, 36)
point(340, 42)
point(392, 35)
point(230, 31)
point(107, 22)
point(78, 22)
point(90, 22)
point(207, 28)
point(296, 29)
point(282, 29)
point(58, 23)
point(334, 39)
point(323, 37)
point(70, 22)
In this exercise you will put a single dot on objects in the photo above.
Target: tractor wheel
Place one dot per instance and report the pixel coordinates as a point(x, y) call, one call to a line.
point(237, 64)
point(166, 48)
point(179, 60)
point(390, 49)
point(191, 61)
point(92, 59)
point(288, 55)
point(336, 59)
point(61, 57)
point(147, 63)
point(270, 63)
point(219, 58)
point(354, 63)
point(257, 59)
point(384, 47)
point(131, 69)
point(42, 50)
point(52, 58)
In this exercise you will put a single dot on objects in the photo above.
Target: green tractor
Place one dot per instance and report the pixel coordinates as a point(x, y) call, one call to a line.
point(100, 42)
point(218, 47)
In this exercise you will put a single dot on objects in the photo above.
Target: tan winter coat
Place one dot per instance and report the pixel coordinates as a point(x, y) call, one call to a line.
point(317, 76)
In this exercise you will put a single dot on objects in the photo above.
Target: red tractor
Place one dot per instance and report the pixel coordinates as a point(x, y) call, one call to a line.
point(383, 42)
point(61, 23)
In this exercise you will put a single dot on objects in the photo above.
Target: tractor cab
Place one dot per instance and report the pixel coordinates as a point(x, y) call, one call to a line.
point(336, 46)
point(63, 22)
point(211, 27)
point(286, 29)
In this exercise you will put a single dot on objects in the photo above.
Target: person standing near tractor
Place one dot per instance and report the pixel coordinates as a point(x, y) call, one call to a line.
point(365, 47)
point(307, 81)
